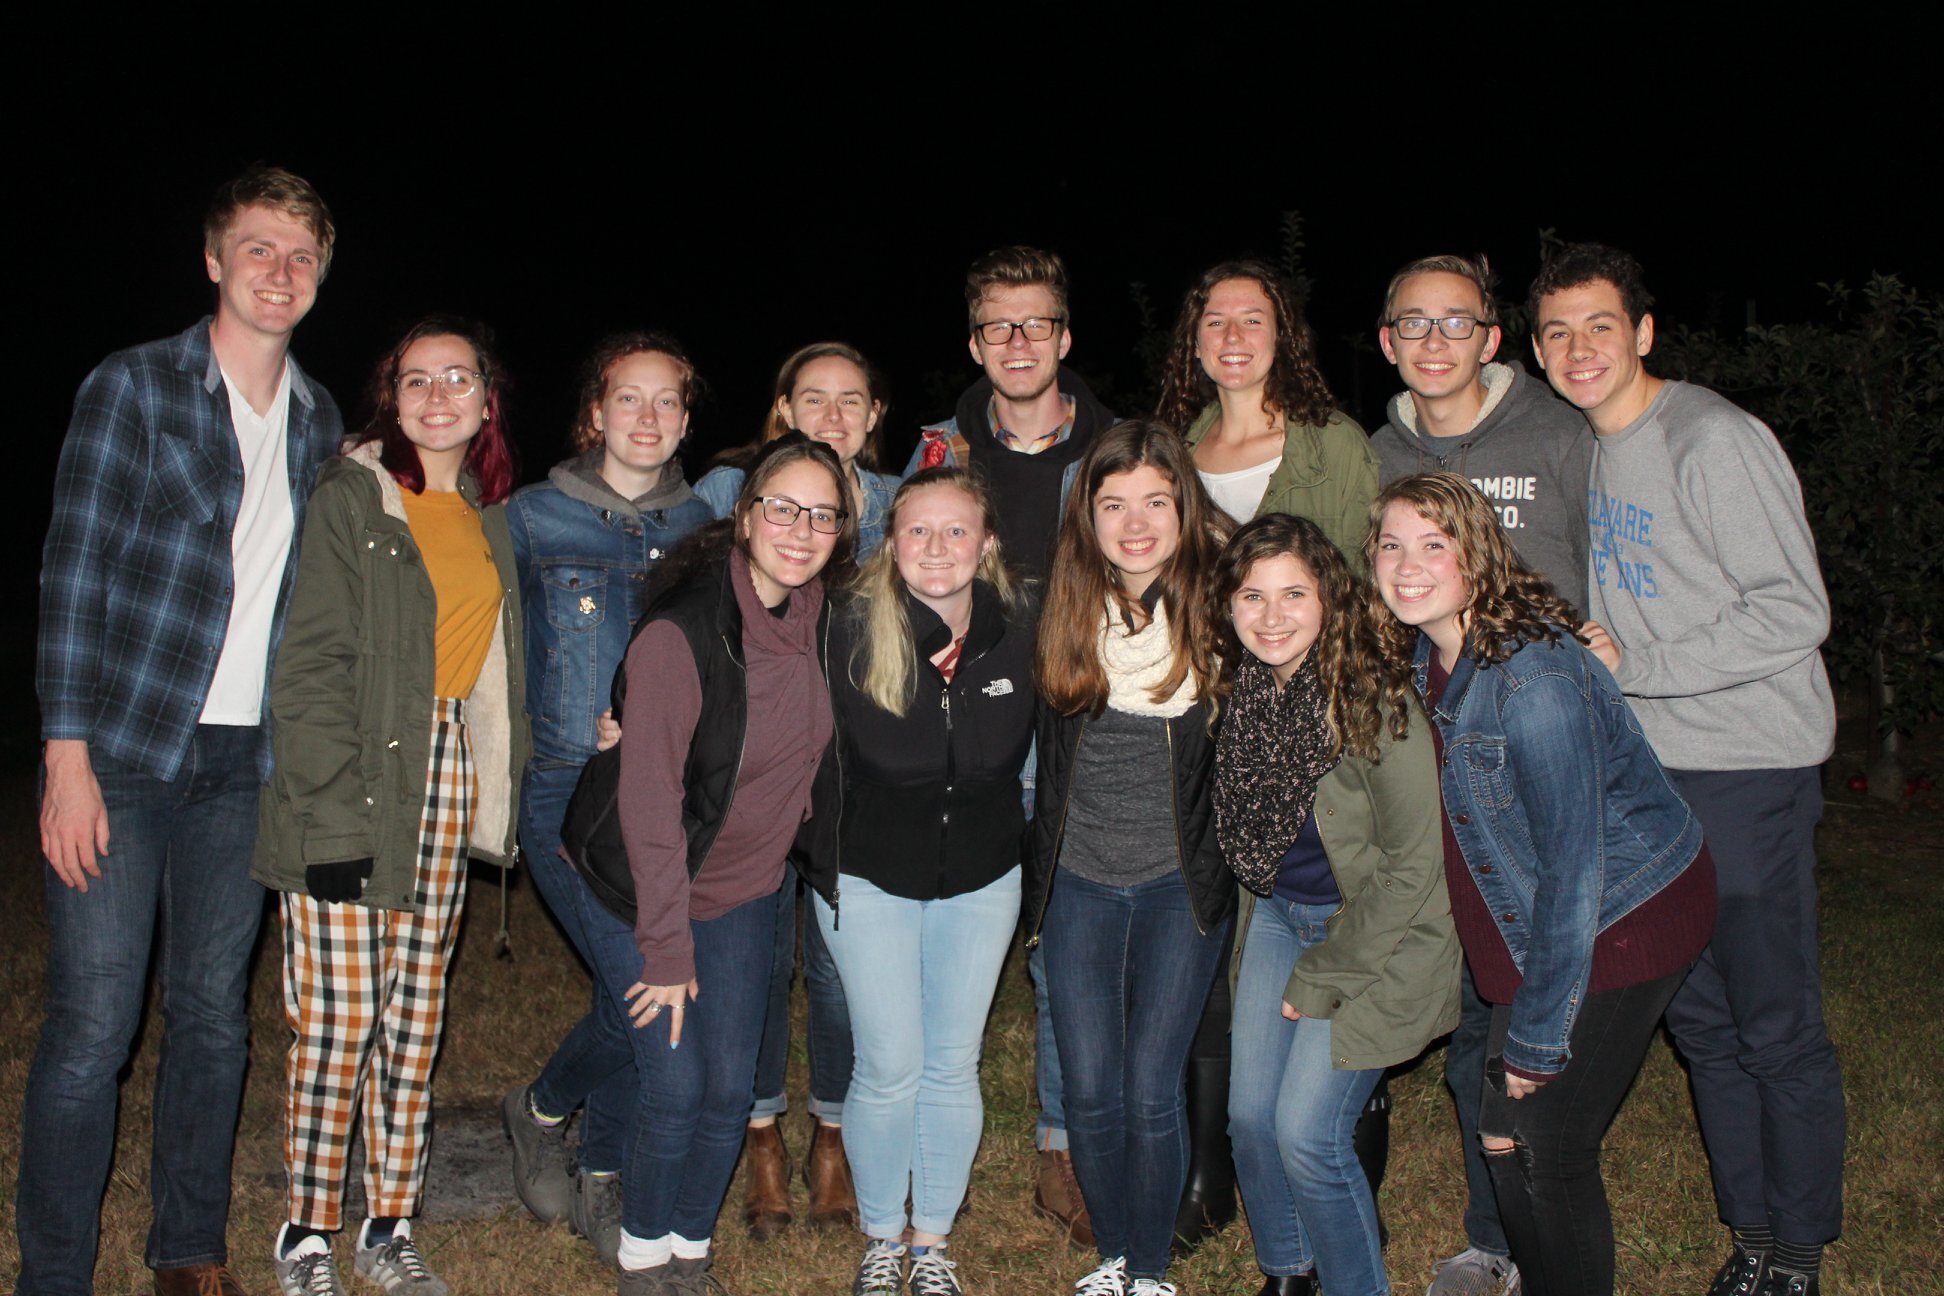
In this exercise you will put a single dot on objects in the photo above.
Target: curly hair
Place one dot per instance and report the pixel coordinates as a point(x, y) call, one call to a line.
point(599, 370)
point(1345, 650)
point(1067, 667)
point(1296, 388)
point(1583, 263)
point(1507, 604)
point(489, 458)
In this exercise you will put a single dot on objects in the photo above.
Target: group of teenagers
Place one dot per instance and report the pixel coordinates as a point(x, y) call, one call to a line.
point(1289, 748)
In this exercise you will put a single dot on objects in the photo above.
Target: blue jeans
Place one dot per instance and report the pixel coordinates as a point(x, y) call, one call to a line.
point(691, 1102)
point(1464, 1074)
point(1749, 1018)
point(1127, 975)
point(593, 1067)
point(919, 975)
point(1291, 1117)
point(828, 1040)
point(177, 867)
point(1050, 1130)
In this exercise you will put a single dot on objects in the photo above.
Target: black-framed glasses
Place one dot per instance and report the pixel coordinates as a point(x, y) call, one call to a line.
point(1037, 329)
point(1455, 327)
point(782, 511)
point(457, 383)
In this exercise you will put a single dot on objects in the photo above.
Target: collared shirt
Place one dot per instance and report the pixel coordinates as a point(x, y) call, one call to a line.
point(1012, 440)
point(137, 574)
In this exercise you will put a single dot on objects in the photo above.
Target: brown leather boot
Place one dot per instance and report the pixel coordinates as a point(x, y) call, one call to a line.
point(766, 1192)
point(197, 1280)
point(833, 1198)
point(1058, 1197)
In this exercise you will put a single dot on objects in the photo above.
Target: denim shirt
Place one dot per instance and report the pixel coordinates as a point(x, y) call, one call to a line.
point(583, 572)
point(720, 486)
point(1566, 820)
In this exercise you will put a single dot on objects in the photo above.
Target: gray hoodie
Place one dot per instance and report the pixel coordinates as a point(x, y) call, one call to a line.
point(1528, 452)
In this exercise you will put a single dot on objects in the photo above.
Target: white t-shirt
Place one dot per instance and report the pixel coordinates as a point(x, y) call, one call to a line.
point(1239, 493)
point(259, 549)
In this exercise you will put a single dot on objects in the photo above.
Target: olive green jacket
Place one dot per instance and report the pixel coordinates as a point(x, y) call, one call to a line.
point(1328, 474)
point(1386, 976)
point(351, 697)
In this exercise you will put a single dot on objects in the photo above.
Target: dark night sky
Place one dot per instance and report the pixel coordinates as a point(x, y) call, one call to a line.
point(748, 223)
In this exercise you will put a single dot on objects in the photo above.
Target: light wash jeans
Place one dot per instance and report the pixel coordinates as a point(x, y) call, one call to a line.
point(1291, 1115)
point(919, 976)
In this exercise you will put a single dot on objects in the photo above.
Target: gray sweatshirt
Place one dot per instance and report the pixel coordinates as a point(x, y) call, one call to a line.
point(1704, 571)
point(1527, 451)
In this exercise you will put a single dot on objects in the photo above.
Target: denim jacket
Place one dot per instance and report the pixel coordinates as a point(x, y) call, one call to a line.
point(1566, 820)
point(720, 486)
point(584, 556)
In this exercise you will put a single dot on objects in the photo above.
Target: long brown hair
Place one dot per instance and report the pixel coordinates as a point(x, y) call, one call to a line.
point(1508, 604)
point(1295, 388)
point(1346, 655)
point(1067, 667)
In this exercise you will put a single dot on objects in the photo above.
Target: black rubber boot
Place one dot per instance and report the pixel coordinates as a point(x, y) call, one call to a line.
point(1371, 1139)
point(1208, 1200)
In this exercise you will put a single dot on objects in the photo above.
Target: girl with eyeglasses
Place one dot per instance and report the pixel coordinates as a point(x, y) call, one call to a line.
point(588, 542)
point(1125, 883)
point(399, 734)
point(833, 395)
point(1326, 807)
point(726, 718)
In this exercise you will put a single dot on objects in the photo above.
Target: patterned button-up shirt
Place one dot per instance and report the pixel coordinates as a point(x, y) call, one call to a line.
point(136, 577)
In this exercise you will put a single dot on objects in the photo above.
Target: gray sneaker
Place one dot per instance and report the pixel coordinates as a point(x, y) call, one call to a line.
point(692, 1278)
point(1474, 1273)
point(397, 1267)
point(542, 1175)
point(310, 1270)
point(597, 1214)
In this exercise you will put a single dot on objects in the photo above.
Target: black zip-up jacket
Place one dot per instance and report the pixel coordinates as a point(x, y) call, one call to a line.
point(927, 805)
point(1191, 754)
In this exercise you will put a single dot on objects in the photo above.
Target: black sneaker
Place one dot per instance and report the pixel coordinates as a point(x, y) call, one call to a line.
point(1783, 1283)
point(1743, 1273)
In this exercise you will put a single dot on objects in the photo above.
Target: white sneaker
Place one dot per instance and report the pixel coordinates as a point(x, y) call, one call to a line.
point(1153, 1287)
point(309, 1269)
point(1108, 1280)
point(1474, 1273)
point(396, 1265)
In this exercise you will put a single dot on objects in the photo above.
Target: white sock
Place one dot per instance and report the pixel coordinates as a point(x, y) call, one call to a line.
point(640, 1253)
point(687, 1250)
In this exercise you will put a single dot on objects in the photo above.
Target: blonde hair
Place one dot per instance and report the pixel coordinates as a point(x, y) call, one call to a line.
point(883, 665)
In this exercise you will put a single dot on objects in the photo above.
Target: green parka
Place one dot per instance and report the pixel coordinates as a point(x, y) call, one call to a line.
point(351, 697)
point(1386, 976)
point(1328, 474)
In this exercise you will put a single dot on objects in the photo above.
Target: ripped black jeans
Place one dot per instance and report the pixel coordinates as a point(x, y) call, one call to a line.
point(1550, 1194)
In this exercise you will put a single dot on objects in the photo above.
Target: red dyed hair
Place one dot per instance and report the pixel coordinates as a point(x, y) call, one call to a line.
point(489, 458)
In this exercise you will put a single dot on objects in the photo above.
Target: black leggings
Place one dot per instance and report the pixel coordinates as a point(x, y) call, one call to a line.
point(1550, 1194)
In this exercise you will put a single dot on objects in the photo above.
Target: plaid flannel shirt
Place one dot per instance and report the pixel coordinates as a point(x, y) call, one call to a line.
point(136, 576)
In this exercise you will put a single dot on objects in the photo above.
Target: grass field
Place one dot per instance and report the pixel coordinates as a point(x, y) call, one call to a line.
point(1883, 895)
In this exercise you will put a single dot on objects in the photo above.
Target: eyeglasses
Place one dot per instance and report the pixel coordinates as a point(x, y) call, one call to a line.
point(782, 511)
point(456, 383)
point(1455, 327)
point(1037, 329)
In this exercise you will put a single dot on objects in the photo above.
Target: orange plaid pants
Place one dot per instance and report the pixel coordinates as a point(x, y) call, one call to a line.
point(364, 994)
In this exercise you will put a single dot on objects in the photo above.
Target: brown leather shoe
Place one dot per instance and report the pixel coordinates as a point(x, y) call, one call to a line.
point(833, 1198)
point(1058, 1197)
point(766, 1192)
point(197, 1280)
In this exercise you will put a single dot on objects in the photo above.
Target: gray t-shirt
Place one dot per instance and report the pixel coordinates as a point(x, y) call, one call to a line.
point(1120, 827)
